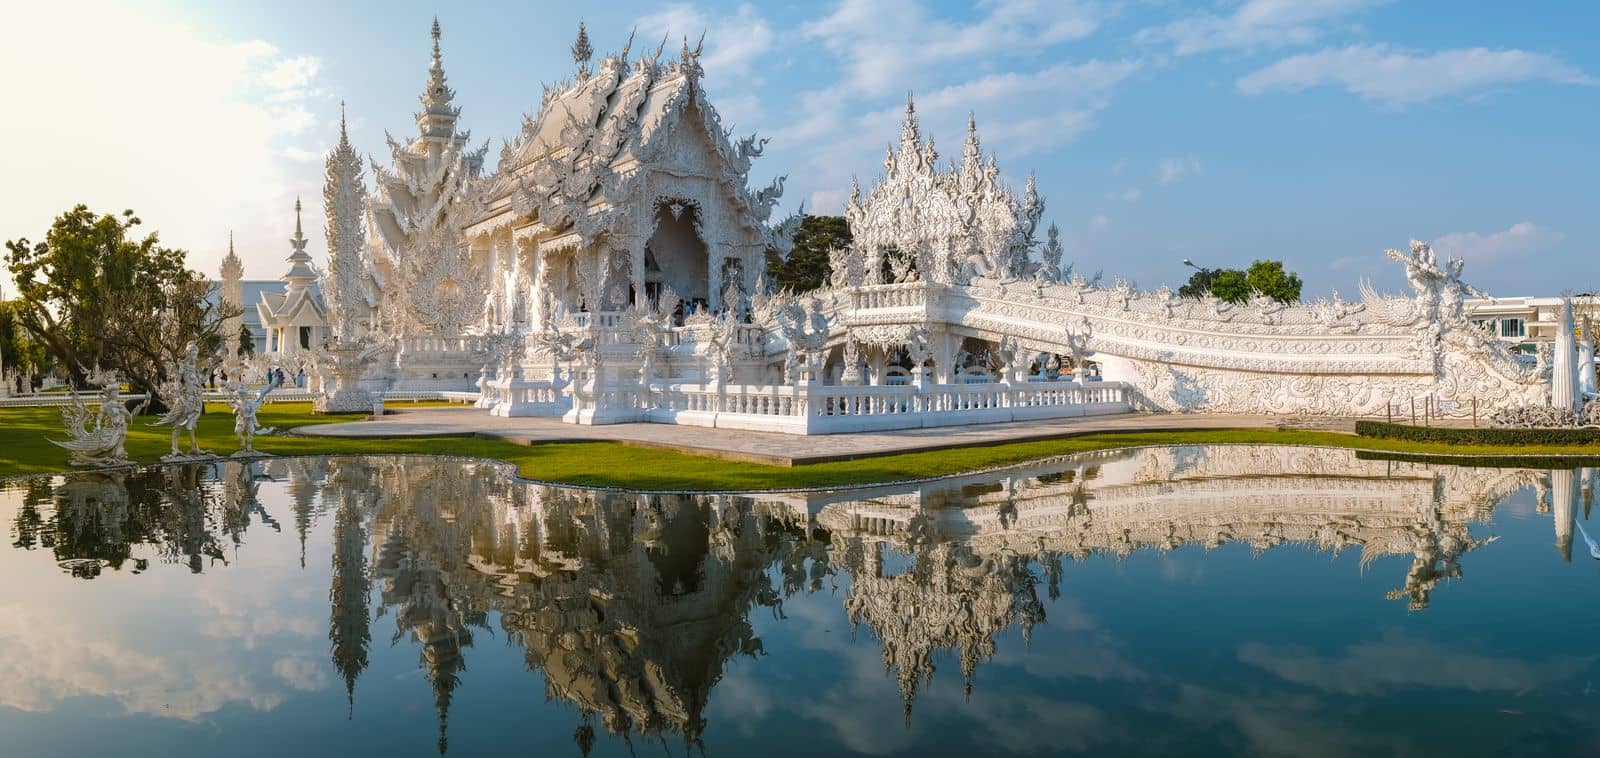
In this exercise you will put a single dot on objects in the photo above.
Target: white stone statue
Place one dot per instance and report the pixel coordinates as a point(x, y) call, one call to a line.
point(97, 436)
point(246, 401)
point(185, 404)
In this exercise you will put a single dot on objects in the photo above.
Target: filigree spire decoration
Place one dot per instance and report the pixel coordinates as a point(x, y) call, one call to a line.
point(582, 52)
point(344, 194)
point(909, 136)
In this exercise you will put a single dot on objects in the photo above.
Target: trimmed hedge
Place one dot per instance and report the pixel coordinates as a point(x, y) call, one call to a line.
point(1484, 461)
point(1461, 436)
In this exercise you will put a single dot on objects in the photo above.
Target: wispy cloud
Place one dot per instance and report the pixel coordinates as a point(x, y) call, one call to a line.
point(1395, 77)
point(1522, 238)
point(1174, 169)
point(1255, 24)
point(732, 43)
point(883, 42)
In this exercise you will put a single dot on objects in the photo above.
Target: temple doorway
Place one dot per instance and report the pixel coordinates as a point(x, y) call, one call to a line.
point(676, 257)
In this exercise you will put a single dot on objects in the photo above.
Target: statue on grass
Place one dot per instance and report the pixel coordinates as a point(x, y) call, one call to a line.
point(246, 401)
point(185, 404)
point(97, 436)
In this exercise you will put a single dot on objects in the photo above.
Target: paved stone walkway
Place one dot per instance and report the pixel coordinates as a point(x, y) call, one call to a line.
point(780, 449)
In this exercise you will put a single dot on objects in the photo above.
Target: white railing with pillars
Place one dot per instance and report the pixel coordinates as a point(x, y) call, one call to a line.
point(908, 295)
point(826, 409)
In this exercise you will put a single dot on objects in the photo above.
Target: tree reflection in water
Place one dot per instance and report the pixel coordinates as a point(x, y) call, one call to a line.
point(631, 606)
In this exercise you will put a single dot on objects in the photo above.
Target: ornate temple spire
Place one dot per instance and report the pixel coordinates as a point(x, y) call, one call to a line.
point(972, 150)
point(232, 267)
point(300, 274)
point(344, 194)
point(582, 51)
point(909, 137)
point(437, 118)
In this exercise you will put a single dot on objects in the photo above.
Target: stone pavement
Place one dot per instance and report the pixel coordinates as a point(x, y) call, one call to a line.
point(781, 449)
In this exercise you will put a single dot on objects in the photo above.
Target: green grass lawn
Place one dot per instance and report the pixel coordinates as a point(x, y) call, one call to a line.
point(24, 450)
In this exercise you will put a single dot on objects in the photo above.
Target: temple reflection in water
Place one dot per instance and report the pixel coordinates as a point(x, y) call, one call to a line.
point(630, 606)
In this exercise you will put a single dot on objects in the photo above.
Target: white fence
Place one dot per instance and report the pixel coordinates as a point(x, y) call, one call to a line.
point(827, 409)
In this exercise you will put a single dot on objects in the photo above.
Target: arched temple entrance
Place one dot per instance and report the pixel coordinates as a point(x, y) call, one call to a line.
point(675, 256)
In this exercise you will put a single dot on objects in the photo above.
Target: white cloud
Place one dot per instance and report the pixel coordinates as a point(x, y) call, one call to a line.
point(1257, 23)
point(1100, 222)
point(885, 42)
point(1174, 169)
point(1396, 662)
point(732, 44)
point(299, 154)
point(1394, 77)
point(1132, 194)
point(1522, 238)
point(291, 73)
point(193, 132)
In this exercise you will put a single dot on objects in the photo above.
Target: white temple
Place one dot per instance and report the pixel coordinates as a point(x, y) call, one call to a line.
point(610, 268)
point(294, 319)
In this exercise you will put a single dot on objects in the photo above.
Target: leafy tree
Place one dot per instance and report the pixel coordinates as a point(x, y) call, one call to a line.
point(1231, 285)
point(1234, 286)
point(807, 267)
point(94, 294)
point(247, 341)
point(18, 352)
point(1270, 279)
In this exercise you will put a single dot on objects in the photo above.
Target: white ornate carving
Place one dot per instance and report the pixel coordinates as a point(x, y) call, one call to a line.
point(96, 437)
point(182, 394)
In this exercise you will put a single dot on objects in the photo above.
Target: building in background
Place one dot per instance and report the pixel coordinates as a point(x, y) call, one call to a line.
point(1525, 322)
point(284, 315)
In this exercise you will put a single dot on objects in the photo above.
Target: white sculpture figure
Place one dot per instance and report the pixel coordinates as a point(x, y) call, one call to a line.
point(1049, 271)
point(724, 335)
point(851, 361)
point(917, 353)
point(562, 345)
point(185, 404)
point(804, 344)
point(97, 436)
point(246, 401)
point(1007, 354)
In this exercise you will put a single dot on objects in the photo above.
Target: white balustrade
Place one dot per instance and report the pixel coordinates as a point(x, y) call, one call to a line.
point(823, 409)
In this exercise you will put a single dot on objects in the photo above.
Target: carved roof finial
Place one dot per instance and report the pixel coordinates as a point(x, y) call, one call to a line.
point(438, 118)
point(344, 132)
point(908, 128)
point(298, 234)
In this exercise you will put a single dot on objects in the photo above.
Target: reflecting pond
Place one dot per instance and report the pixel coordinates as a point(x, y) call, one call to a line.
point(1184, 600)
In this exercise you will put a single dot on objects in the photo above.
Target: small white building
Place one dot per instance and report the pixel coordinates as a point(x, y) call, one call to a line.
point(295, 320)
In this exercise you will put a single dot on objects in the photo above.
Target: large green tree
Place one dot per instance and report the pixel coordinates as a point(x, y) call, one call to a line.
point(1235, 286)
point(19, 353)
point(807, 266)
point(94, 293)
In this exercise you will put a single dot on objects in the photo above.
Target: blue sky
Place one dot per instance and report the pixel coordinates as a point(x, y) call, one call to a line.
point(1318, 131)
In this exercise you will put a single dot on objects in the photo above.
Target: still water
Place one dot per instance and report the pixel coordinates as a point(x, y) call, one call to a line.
point(1171, 601)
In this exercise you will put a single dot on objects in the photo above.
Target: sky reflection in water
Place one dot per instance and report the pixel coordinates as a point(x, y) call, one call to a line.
point(1188, 600)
